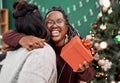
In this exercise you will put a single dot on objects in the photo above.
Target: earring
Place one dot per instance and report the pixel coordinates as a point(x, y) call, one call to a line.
point(66, 39)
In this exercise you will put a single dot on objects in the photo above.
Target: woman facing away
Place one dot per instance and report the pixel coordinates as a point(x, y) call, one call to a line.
point(21, 65)
point(61, 33)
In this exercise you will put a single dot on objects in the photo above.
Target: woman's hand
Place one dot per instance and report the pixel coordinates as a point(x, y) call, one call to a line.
point(82, 68)
point(31, 42)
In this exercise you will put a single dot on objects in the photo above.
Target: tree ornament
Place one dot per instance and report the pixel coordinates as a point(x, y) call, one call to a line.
point(101, 62)
point(89, 37)
point(104, 9)
point(117, 38)
point(100, 74)
point(94, 25)
point(103, 27)
point(96, 57)
point(99, 15)
point(97, 45)
point(110, 11)
point(118, 76)
point(106, 19)
point(107, 65)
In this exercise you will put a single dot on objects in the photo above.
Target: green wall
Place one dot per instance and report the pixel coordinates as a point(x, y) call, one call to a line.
point(81, 13)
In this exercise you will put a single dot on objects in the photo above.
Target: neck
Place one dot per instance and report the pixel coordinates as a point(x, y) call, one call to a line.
point(58, 44)
point(61, 43)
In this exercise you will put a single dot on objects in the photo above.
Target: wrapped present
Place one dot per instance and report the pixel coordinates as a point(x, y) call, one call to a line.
point(75, 53)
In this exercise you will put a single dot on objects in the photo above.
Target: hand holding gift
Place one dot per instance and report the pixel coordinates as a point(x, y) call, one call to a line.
point(76, 54)
point(83, 67)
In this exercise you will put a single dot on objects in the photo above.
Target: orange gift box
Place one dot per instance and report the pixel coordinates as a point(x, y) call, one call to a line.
point(75, 53)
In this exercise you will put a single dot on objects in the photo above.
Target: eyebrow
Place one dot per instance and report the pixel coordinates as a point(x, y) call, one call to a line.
point(56, 20)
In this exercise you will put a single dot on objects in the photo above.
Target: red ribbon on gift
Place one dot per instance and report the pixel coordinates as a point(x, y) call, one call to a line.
point(86, 43)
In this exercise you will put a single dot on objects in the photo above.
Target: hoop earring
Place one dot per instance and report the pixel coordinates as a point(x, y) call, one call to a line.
point(66, 39)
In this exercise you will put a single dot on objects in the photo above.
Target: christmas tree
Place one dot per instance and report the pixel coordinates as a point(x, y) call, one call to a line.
point(105, 39)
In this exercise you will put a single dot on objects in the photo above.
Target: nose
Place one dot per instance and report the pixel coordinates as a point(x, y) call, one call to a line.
point(54, 25)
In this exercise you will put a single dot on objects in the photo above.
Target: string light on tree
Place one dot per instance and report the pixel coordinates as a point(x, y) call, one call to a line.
point(103, 45)
point(112, 81)
point(106, 3)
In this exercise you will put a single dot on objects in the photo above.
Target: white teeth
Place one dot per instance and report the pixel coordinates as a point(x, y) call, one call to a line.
point(55, 33)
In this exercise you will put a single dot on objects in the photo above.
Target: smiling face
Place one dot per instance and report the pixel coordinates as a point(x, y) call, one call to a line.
point(57, 26)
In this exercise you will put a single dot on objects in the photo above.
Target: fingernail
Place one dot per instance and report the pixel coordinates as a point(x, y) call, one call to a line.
point(74, 71)
point(85, 62)
point(80, 65)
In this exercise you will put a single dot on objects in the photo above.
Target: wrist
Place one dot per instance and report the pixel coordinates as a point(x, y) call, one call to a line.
point(20, 39)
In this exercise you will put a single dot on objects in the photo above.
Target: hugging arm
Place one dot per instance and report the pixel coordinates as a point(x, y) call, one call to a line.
point(12, 38)
point(15, 39)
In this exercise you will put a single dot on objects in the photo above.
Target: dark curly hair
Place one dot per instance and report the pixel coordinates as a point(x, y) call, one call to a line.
point(29, 21)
